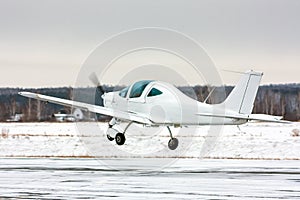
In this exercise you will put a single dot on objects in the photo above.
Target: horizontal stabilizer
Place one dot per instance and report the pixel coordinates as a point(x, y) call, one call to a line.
point(256, 117)
point(267, 118)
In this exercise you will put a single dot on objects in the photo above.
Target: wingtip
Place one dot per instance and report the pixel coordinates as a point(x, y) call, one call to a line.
point(27, 94)
point(22, 93)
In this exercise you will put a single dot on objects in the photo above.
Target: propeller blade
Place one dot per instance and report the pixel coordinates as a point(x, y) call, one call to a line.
point(94, 79)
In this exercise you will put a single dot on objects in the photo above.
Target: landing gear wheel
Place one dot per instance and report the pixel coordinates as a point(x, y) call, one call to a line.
point(173, 143)
point(120, 138)
point(109, 137)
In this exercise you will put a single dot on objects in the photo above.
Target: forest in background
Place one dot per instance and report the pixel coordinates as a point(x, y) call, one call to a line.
point(281, 100)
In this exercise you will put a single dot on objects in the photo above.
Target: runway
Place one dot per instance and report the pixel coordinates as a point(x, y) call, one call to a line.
point(45, 178)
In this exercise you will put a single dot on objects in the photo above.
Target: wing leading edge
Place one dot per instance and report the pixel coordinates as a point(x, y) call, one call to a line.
point(89, 107)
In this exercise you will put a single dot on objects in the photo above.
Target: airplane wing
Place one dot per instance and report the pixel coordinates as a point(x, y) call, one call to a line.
point(89, 107)
point(254, 117)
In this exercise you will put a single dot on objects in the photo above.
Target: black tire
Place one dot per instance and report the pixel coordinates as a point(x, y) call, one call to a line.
point(173, 143)
point(110, 138)
point(120, 138)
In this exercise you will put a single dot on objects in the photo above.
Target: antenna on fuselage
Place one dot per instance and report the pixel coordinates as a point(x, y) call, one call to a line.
point(233, 71)
point(209, 94)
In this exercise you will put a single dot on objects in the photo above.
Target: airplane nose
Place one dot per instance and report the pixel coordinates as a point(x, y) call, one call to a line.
point(108, 99)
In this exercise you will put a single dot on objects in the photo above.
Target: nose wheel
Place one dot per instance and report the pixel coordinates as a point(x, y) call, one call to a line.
point(120, 138)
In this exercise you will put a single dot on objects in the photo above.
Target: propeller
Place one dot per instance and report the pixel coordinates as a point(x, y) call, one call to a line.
point(99, 91)
point(94, 79)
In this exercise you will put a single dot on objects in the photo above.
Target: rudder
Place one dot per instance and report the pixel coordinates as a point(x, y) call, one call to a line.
point(241, 99)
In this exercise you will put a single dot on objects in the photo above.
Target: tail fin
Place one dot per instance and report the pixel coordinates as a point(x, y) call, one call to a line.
point(241, 98)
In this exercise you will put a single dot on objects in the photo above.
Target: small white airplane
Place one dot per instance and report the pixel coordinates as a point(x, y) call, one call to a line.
point(156, 103)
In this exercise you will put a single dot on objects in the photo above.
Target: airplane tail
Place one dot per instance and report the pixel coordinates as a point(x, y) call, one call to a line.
point(241, 99)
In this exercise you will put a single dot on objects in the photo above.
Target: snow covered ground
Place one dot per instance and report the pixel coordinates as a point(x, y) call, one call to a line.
point(53, 178)
point(122, 172)
point(251, 141)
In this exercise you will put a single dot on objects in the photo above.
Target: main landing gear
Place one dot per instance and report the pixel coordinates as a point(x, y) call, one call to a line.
point(173, 142)
point(120, 137)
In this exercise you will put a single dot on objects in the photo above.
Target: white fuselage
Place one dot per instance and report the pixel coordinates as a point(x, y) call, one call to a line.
point(170, 106)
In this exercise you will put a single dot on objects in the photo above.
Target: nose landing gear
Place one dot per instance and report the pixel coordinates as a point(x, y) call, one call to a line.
point(109, 137)
point(119, 137)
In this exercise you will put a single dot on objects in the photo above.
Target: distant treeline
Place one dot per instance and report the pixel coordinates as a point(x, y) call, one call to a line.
point(282, 100)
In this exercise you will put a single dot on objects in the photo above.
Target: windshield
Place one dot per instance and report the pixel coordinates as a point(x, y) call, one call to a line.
point(123, 92)
point(138, 88)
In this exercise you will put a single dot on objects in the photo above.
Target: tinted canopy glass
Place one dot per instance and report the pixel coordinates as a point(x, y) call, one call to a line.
point(138, 88)
point(154, 92)
point(123, 92)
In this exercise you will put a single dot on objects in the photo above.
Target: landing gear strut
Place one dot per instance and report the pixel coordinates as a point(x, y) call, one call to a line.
point(119, 137)
point(173, 142)
point(110, 131)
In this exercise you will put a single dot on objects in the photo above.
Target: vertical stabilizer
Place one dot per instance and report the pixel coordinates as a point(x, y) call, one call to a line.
point(241, 98)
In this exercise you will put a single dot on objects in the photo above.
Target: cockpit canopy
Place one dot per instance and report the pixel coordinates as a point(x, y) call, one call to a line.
point(138, 88)
point(124, 92)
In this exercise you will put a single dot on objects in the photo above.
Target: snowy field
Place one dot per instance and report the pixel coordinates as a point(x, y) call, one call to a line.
point(76, 161)
point(251, 141)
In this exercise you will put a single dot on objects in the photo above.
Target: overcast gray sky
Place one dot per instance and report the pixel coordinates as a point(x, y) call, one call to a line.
point(44, 43)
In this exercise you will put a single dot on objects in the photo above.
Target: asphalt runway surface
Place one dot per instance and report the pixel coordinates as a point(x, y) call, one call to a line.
point(46, 178)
